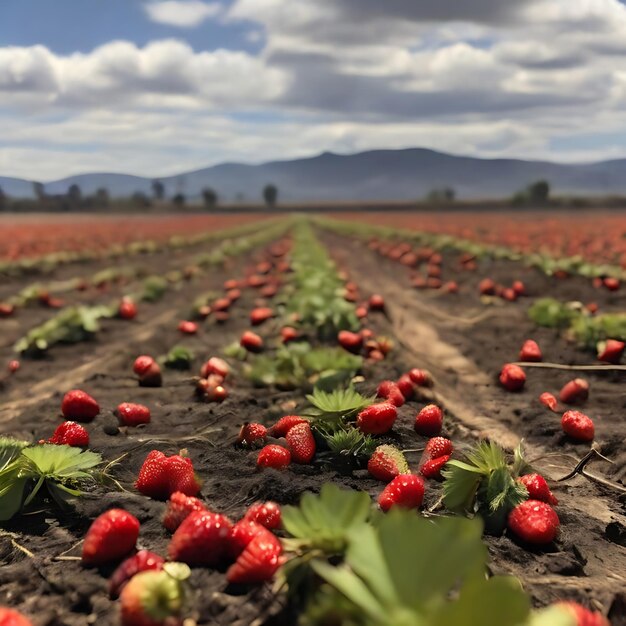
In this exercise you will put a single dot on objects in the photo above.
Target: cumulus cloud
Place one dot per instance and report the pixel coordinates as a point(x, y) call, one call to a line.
point(181, 13)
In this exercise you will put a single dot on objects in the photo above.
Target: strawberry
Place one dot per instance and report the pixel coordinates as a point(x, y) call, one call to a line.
point(260, 315)
point(211, 389)
point(241, 534)
point(575, 391)
point(233, 294)
point(217, 366)
point(530, 352)
point(547, 399)
point(376, 302)
point(202, 539)
point(432, 468)
point(509, 294)
point(111, 536)
point(537, 488)
point(155, 597)
point(13, 366)
point(578, 426)
point(390, 392)
point(612, 284)
point(6, 309)
point(267, 514)
point(221, 305)
point(420, 377)
point(251, 434)
point(438, 447)
point(377, 419)
point(79, 406)
point(376, 355)
point(256, 281)
point(204, 311)
point(148, 371)
point(258, 562)
point(127, 309)
point(429, 421)
point(519, 288)
point(288, 333)
point(386, 463)
point(70, 434)
point(487, 287)
point(406, 386)
point(231, 284)
point(188, 328)
point(611, 350)
point(301, 443)
point(350, 341)
point(583, 616)
point(273, 456)
point(9, 617)
point(179, 507)
point(221, 316)
point(160, 476)
point(512, 377)
point(284, 424)
point(143, 561)
point(534, 522)
point(451, 287)
point(405, 491)
point(130, 414)
point(251, 341)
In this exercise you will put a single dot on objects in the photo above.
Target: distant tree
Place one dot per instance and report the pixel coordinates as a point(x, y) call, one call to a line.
point(102, 197)
point(39, 190)
point(179, 200)
point(158, 189)
point(140, 200)
point(443, 194)
point(209, 196)
point(74, 194)
point(539, 191)
point(270, 194)
point(3, 199)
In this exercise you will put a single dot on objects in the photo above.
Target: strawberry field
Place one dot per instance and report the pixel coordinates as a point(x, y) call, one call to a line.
point(351, 420)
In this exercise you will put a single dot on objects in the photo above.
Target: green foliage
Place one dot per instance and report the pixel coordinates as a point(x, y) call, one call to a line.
point(552, 313)
point(336, 406)
point(349, 442)
point(179, 357)
point(153, 288)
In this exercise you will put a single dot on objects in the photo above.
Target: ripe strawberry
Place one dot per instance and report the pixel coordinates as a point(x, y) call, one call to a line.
point(547, 399)
point(216, 366)
point(376, 302)
point(284, 424)
point(429, 421)
point(256, 281)
point(376, 355)
point(406, 386)
point(390, 392)
point(612, 284)
point(519, 288)
point(127, 309)
point(131, 414)
point(438, 447)
point(6, 309)
point(583, 616)
point(9, 617)
point(70, 434)
point(512, 377)
point(188, 328)
point(530, 352)
point(13, 366)
point(578, 426)
point(258, 562)
point(432, 468)
point(221, 305)
point(273, 456)
point(232, 283)
point(534, 522)
point(148, 371)
point(143, 561)
point(111, 536)
point(267, 514)
point(204, 311)
point(155, 598)
point(211, 389)
point(202, 539)
point(487, 287)
point(611, 350)
point(241, 534)
point(350, 341)
point(538, 488)
point(79, 406)
point(260, 315)
point(575, 391)
point(420, 377)
point(386, 463)
point(252, 434)
point(179, 507)
point(160, 476)
point(288, 333)
point(405, 491)
point(377, 419)
point(233, 294)
point(301, 443)
point(251, 341)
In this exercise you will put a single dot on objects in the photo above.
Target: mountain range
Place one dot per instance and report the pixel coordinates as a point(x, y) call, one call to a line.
point(373, 175)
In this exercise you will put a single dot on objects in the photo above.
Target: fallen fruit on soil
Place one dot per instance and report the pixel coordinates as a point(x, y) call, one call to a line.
point(79, 406)
point(534, 522)
point(578, 426)
point(112, 536)
point(405, 491)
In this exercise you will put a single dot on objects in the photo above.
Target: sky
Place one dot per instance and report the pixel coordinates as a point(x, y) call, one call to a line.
point(158, 87)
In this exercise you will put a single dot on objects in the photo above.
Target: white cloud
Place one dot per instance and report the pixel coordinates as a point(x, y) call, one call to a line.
point(181, 13)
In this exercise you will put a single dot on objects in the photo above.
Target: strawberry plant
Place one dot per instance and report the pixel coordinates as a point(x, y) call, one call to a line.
point(179, 357)
point(333, 408)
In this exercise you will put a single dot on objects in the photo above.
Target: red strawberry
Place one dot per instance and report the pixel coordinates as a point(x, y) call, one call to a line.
point(202, 539)
point(438, 447)
point(204, 311)
point(130, 414)
point(578, 426)
point(391, 392)
point(376, 302)
point(70, 434)
point(241, 534)
point(386, 463)
point(385, 345)
point(432, 468)
point(231, 284)
point(376, 355)
point(519, 288)
point(273, 456)
point(211, 389)
point(301, 443)
point(377, 419)
point(217, 366)
point(583, 616)
point(233, 294)
point(267, 514)
point(534, 522)
point(350, 341)
point(509, 294)
point(256, 281)
point(79, 406)
point(406, 387)
point(222, 305)
point(251, 341)
point(179, 507)
point(6, 309)
point(188, 328)
point(260, 315)
point(258, 562)
point(451, 286)
point(284, 424)
point(575, 391)
point(538, 488)
point(612, 284)
point(611, 350)
point(13, 366)
point(143, 561)
point(487, 287)
point(127, 309)
point(530, 352)
point(251, 434)
point(405, 491)
point(512, 377)
point(148, 371)
point(288, 333)
point(429, 421)
point(160, 476)
point(547, 399)
point(9, 617)
point(420, 377)
point(111, 536)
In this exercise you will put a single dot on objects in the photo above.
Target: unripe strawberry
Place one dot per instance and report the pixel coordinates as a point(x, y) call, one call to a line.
point(429, 421)
point(583, 616)
point(575, 391)
point(143, 561)
point(512, 377)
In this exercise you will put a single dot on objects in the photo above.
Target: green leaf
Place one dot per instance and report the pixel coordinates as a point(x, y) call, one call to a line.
point(10, 449)
point(60, 462)
point(338, 404)
point(179, 357)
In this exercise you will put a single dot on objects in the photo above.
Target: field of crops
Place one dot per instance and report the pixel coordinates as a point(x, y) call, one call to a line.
point(357, 419)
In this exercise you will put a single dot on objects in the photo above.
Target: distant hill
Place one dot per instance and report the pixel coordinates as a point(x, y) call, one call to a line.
point(373, 175)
